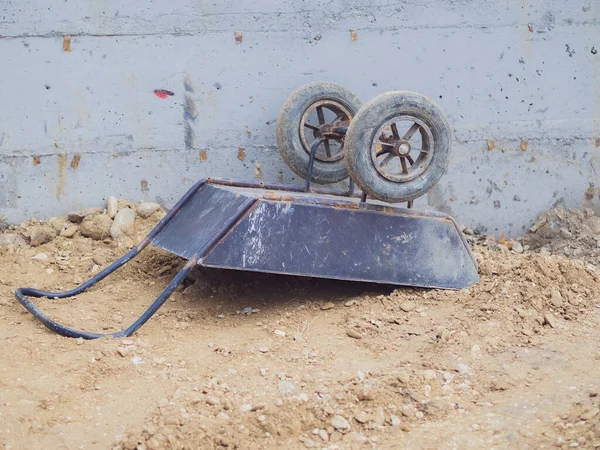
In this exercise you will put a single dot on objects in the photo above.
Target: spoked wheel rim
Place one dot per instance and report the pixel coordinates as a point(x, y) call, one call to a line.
point(402, 149)
point(317, 122)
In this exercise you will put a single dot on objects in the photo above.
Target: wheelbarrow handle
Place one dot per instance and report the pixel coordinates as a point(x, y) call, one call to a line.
point(22, 293)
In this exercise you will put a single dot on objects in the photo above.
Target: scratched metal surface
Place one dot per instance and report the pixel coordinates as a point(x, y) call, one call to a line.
point(299, 237)
point(198, 220)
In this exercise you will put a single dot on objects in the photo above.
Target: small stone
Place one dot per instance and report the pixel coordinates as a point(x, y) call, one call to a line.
point(146, 209)
point(403, 377)
point(336, 436)
point(354, 438)
point(309, 443)
point(517, 247)
point(339, 423)
point(589, 414)
point(328, 305)
point(363, 417)
point(112, 207)
point(350, 303)
point(79, 340)
point(123, 219)
point(247, 310)
point(556, 298)
point(436, 408)
point(407, 306)
point(468, 231)
point(78, 216)
point(263, 372)
point(137, 360)
point(100, 260)
point(69, 231)
point(246, 407)
point(560, 441)
point(40, 257)
point(58, 223)
point(500, 385)
point(278, 402)
point(222, 415)
point(263, 349)
point(286, 387)
point(408, 410)
point(354, 334)
point(323, 435)
point(12, 240)
point(212, 400)
point(41, 234)
point(394, 420)
point(463, 368)
point(419, 415)
point(124, 351)
point(279, 333)
point(96, 226)
point(550, 320)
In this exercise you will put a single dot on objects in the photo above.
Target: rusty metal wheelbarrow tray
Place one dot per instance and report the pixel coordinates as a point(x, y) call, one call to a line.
point(281, 229)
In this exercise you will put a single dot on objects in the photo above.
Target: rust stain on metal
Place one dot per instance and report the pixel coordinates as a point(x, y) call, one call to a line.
point(241, 153)
point(67, 43)
point(36, 160)
point(491, 144)
point(203, 156)
point(75, 161)
point(238, 37)
point(144, 185)
point(354, 34)
point(524, 145)
point(62, 166)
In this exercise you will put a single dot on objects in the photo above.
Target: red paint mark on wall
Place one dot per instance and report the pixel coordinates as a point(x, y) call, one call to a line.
point(163, 93)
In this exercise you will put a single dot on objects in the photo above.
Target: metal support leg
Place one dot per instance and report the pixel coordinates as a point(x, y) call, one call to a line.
point(311, 161)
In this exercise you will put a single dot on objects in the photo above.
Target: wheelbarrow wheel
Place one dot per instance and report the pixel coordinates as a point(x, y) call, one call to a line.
point(398, 146)
point(307, 113)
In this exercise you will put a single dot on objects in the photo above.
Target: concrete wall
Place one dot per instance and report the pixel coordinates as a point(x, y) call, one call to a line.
point(79, 125)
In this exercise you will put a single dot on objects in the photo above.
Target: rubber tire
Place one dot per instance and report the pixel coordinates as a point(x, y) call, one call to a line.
point(288, 124)
point(360, 136)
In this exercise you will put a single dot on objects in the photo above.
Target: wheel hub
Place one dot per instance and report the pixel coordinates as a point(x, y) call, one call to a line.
point(402, 148)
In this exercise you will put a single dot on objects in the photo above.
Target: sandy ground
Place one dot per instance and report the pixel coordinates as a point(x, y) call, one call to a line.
point(513, 362)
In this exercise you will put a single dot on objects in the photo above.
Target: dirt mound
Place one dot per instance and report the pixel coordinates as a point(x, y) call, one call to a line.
point(573, 233)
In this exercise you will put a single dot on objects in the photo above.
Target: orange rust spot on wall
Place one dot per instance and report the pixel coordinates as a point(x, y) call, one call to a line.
point(524, 145)
point(238, 37)
point(203, 156)
point(67, 43)
point(353, 35)
point(75, 161)
point(36, 160)
point(491, 144)
point(241, 153)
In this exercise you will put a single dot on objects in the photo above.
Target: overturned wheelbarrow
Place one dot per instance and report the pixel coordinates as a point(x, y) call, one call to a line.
point(395, 148)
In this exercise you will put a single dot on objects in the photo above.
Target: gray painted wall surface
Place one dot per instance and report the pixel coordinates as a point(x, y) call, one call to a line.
point(508, 71)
